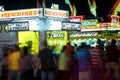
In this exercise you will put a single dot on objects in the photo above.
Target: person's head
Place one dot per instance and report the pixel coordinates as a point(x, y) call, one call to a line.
point(99, 41)
point(113, 41)
point(16, 48)
point(25, 50)
point(64, 48)
point(83, 44)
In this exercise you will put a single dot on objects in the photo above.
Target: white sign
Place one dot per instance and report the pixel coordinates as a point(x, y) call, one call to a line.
point(21, 13)
point(71, 26)
point(18, 26)
point(56, 13)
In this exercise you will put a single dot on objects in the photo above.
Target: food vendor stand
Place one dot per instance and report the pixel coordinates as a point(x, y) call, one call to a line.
point(22, 27)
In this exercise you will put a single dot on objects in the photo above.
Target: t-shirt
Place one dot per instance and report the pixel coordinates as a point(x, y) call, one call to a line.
point(83, 56)
point(26, 62)
point(112, 53)
point(96, 57)
point(14, 60)
point(46, 58)
point(63, 61)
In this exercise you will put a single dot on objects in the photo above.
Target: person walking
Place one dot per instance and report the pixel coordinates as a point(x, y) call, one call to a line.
point(83, 56)
point(97, 63)
point(47, 63)
point(112, 60)
point(14, 64)
point(63, 64)
point(27, 65)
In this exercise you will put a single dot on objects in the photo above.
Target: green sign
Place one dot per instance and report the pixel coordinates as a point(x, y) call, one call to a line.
point(109, 32)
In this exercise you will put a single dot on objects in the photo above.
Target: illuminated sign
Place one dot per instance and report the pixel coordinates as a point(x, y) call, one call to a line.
point(104, 25)
point(55, 35)
point(56, 13)
point(76, 18)
point(71, 26)
point(85, 34)
point(108, 32)
point(92, 22)
point(21, 13)
point(18, 26)
point(114, 21)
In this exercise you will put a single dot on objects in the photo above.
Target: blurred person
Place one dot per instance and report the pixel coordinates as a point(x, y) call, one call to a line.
point(83, 57)
point(97, 65)
point(74, 67)
point(63, 64)
point(47, 62)
point(27, 65)
point(14, 63)
point(7, 52)
point(100, 44)
point(70, 49)
point(112, 60)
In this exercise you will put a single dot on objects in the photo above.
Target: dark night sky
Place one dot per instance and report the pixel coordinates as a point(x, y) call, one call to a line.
point(103, 6)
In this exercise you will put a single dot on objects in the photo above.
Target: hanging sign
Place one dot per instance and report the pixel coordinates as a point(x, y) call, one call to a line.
point(56, 13)
point(21, 13)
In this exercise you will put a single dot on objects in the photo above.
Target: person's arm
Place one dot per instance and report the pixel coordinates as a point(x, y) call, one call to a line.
point(32, 63)
point(37, 66)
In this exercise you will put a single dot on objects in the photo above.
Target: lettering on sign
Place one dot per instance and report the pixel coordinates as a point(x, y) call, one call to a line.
point(55, 35)
point(71, 26)
point(105, 25)
point(85, 34)
point(20, 13)
point(76, 18)
point(18, 26)
point(92, 22)
point(56, 13)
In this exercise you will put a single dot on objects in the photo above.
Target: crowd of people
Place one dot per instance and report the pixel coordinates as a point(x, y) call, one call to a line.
point(73, 63)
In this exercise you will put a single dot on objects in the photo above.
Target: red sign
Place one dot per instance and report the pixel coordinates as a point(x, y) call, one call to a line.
point(76, 18)
point(104, 25)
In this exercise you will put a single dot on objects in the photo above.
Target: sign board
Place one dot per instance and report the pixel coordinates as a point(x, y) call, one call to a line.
point(76, 18)
point(18, 26)
point(90, 24)
point(84, 34)
point(71, 26)
point(114, 21)
point(21, 13)
point(105, 25)
point(56, 34)
point(108, 32)
point(56, 13)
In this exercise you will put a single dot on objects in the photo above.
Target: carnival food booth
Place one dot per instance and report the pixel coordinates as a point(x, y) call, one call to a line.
point(22, 27)
point(104, 31)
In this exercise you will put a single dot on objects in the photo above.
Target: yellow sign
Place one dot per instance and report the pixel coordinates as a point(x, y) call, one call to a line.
point(20, 13)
